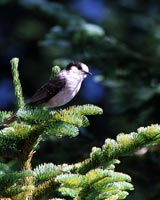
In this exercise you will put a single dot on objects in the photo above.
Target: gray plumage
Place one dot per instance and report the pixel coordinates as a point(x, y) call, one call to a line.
point(59, 90)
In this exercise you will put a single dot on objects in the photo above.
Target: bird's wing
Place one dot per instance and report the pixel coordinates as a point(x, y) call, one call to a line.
point(47, 91)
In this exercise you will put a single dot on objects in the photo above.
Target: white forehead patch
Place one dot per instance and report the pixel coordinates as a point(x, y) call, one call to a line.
point(84, 67)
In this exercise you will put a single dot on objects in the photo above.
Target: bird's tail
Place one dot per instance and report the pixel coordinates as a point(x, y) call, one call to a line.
point(9, 120)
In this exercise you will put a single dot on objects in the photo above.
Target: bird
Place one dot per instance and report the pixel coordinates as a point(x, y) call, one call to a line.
point(59, 90)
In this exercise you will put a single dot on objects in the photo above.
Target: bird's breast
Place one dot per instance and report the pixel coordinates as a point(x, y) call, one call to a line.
point(67, 93)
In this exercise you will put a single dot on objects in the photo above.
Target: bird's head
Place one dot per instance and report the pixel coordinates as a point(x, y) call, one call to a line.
point(78, 68)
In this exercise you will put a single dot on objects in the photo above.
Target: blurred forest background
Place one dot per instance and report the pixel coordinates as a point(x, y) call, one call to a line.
point(120, 42)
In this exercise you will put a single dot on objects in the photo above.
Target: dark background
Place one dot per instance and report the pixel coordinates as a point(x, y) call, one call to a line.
point(120, 42)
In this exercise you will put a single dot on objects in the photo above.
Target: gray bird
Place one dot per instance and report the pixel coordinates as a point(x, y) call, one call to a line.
point(59, 90)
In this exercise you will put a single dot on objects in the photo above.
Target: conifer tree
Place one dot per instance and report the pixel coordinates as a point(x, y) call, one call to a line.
point(93, 178)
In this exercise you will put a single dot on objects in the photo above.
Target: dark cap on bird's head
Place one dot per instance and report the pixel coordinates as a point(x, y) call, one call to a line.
point(74, 63)
point(80, 66)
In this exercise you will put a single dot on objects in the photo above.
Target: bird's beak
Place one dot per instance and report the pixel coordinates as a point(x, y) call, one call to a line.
point(88, 73)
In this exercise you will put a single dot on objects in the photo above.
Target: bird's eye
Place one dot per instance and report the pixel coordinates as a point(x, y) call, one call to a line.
point(79, 67)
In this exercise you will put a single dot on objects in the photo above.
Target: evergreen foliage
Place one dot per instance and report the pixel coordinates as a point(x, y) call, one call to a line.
point(122, 46)
point(93, 178)
point(18, 89)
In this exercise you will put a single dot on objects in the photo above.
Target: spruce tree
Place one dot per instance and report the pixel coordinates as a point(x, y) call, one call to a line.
point(93, 178)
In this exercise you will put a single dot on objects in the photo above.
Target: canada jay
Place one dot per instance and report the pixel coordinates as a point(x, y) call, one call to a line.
point(59, 90)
